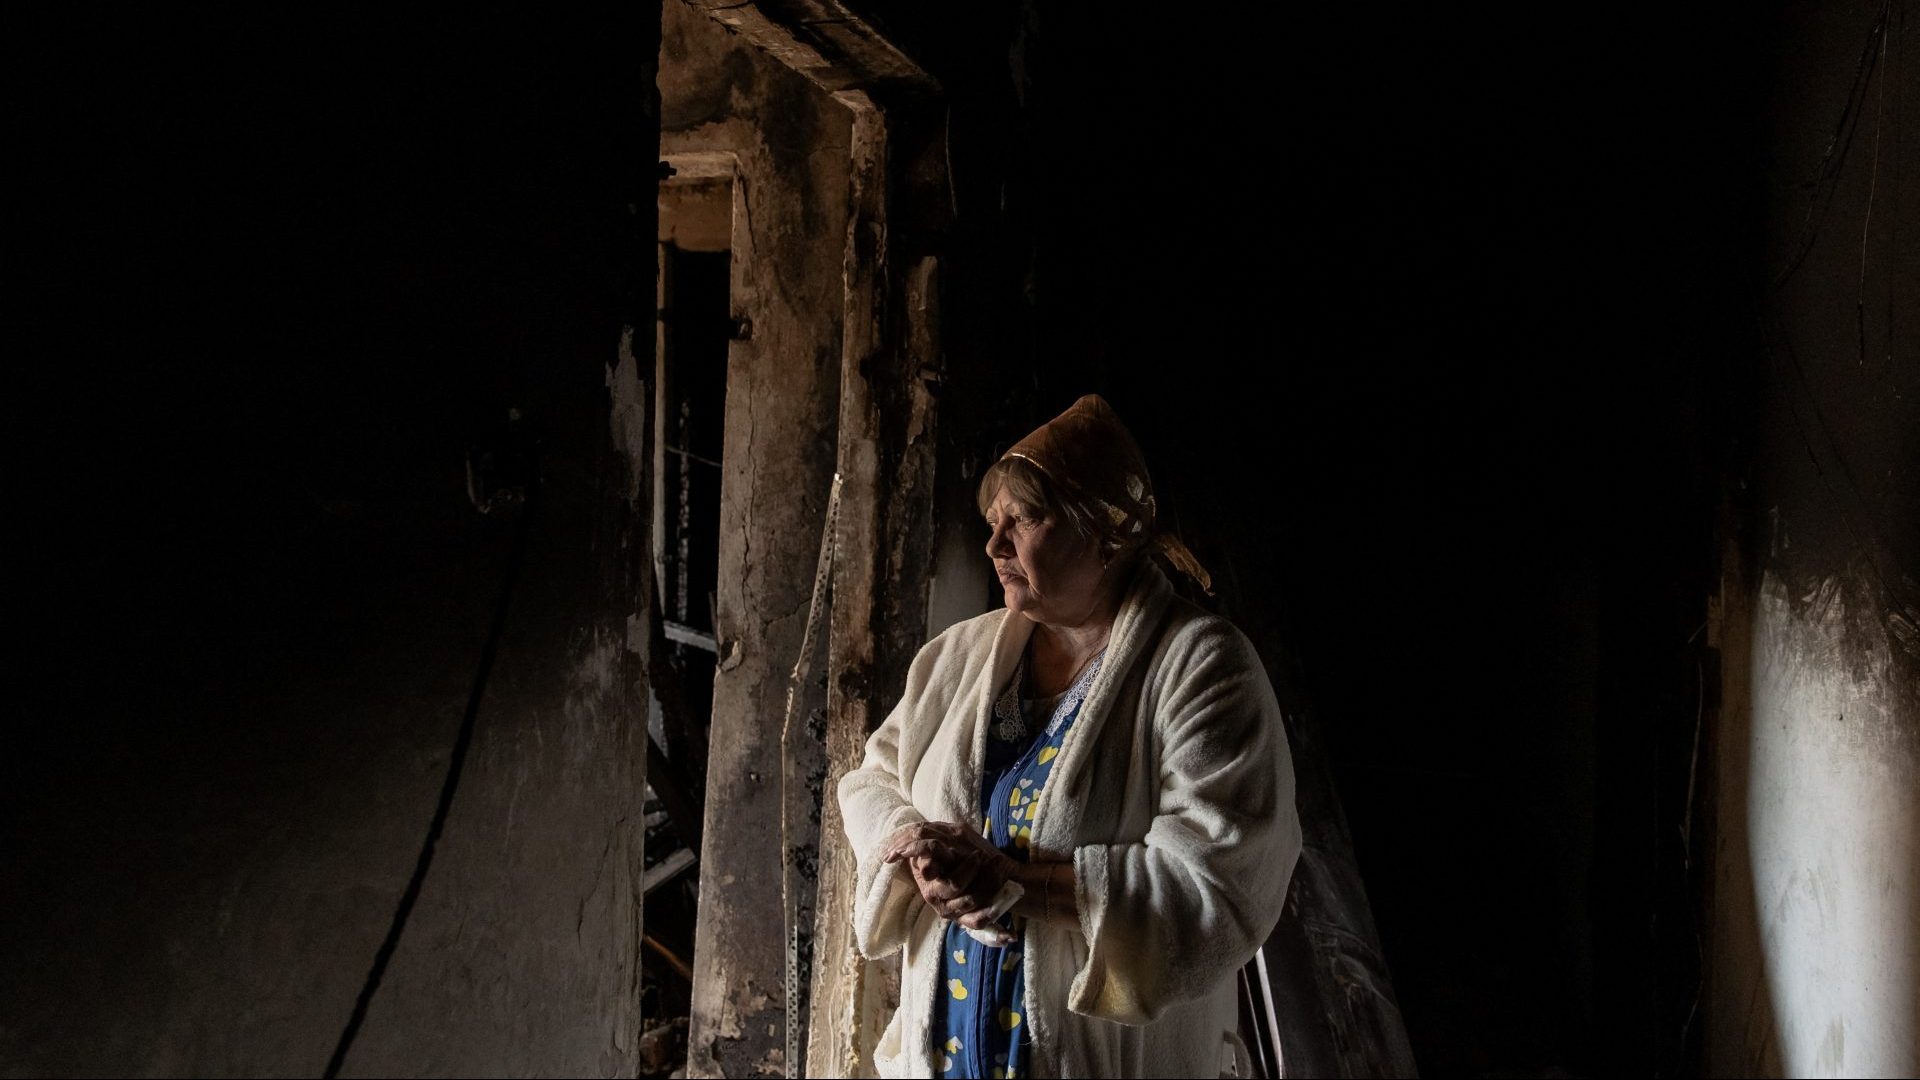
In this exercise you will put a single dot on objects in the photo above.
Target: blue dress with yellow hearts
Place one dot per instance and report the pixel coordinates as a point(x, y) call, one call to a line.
point(981, 1031)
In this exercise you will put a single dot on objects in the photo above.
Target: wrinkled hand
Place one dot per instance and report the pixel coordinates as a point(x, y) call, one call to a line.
point(955, 868)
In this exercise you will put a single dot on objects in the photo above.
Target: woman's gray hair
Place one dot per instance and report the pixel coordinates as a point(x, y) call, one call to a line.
point(1035, 490)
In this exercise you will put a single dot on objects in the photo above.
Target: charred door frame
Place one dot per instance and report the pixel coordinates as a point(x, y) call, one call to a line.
point(885, 447)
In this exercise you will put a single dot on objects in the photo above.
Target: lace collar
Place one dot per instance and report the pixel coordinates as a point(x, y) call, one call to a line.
point(1011, 718)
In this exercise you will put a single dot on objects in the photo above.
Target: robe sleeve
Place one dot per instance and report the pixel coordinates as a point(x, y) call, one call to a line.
point(1166, 918)
point(875, 802)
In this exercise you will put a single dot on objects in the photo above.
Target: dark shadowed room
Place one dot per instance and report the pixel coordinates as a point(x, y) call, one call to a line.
point(1094, 541)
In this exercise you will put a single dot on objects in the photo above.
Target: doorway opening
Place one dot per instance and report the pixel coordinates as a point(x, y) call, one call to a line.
point(692, 332)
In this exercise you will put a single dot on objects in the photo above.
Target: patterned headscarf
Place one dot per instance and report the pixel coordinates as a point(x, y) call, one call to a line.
point(1089, 454)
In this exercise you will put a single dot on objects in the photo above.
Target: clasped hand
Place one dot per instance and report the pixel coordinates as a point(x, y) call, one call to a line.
point(955, 868)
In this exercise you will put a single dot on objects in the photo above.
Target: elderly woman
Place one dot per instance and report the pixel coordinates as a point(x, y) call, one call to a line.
point(1078, 823)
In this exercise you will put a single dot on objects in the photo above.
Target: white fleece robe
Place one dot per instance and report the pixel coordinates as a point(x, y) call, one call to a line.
point(1173, 797)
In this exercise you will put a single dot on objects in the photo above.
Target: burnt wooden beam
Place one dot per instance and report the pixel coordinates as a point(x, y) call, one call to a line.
point(891, 359)
point(825, 40)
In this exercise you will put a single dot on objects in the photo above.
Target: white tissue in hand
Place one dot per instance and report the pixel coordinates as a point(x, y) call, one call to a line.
point(993, 936)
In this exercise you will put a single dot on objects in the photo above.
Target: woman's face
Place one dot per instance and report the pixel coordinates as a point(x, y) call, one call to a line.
point(1051, 573)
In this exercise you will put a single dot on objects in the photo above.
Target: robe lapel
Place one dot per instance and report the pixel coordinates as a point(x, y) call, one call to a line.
point(973, 711)
point(1058, 821)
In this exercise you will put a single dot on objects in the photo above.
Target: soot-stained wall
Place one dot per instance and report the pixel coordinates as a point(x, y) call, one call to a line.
point(288, 274)
point(1816, 891)
point(790, 143)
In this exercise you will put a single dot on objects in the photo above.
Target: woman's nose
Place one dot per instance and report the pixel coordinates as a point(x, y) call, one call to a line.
point(998, 546)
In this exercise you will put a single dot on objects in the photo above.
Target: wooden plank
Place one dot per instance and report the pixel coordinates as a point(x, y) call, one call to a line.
point(681, 634)
point(671, 867)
